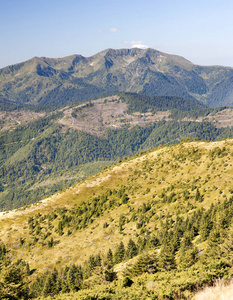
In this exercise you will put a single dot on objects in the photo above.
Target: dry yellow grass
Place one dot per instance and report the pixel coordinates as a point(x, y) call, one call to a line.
point(145, 177)
point(220, 291)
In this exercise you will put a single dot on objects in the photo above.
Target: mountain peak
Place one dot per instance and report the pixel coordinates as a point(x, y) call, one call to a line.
point(147, 71)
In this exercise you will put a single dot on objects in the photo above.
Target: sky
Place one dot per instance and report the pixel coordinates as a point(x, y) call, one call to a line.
point(199, 30)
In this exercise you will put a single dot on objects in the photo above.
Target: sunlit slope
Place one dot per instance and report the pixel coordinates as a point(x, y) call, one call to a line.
point(165, 180)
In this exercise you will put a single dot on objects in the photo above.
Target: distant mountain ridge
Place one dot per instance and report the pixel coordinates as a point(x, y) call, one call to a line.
point(55, 81)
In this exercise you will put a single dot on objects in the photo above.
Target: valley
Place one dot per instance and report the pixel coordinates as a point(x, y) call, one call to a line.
point(45, 149)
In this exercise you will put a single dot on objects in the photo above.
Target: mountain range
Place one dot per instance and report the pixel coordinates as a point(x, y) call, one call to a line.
point(56, 81)
point(93, 204)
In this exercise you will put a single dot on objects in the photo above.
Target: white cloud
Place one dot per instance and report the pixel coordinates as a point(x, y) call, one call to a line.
point(113, 29)
point(136, 44)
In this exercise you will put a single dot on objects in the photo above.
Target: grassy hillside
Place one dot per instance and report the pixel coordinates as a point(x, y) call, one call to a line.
point(44, 150)
point(155, 226)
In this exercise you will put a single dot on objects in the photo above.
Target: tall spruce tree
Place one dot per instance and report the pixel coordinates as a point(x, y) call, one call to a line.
point(187, 254)
point(166, 259)
point(12, 282)
point(119, 253)
point(131, 250)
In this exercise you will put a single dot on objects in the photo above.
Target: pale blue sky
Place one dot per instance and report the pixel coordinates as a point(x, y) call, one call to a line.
point(199, 30)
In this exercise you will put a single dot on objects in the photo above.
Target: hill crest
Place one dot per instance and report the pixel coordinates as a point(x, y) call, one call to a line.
point(173, 196)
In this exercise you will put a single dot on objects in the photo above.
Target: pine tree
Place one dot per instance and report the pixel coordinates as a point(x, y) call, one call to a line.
point(153, 242)
point(50, 284)
point(126, 282)
point(98, 260)
point(74, 278)
point(12, 283)
point(166, 260)
point(205, 226)
point(89, 266)
point(141, 244)
point(109, 256)
point(226, 248)
point(144, 263)
point(60, 228)
point(198, 197)
point(50, 242)
point(109, 273)
point(27, 269)
point(213, 250)
point(119, 253)
point(131, 250)
point(187, 254)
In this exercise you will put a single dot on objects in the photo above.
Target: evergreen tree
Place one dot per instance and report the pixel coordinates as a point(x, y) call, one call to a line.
point(50, 242)
point(198, 196)
point(152, 242)
point(213, 250)
point(126, 282)
point(98, 260)
point(27, 269)
point(141, 244)
point(89, 266)
point(74, 278)
point(131, 250)
point(144, 263)
point(226, 248)
point(205, 226)
point(12, 283)
point(187, 254)
point(60, 228)
point(50, 284)
point(109, 273)
point(166, 259)
point(109, 256)
point(119, 253)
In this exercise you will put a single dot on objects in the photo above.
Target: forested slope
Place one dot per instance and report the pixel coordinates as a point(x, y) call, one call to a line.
point(158, 225)
point(44, 150)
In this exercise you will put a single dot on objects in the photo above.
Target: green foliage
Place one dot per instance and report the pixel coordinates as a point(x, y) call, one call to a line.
point(131, 249)
point(180, 246)
point(42, 157)
point(187, 254)
point(178, 114)
point(169, 258)
point(144, 103)
point(80, 108)
point(119, 253)
point(145, 263)
point(126, 282)
point(49, 81)
point(13, 283)
point(166, 260)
